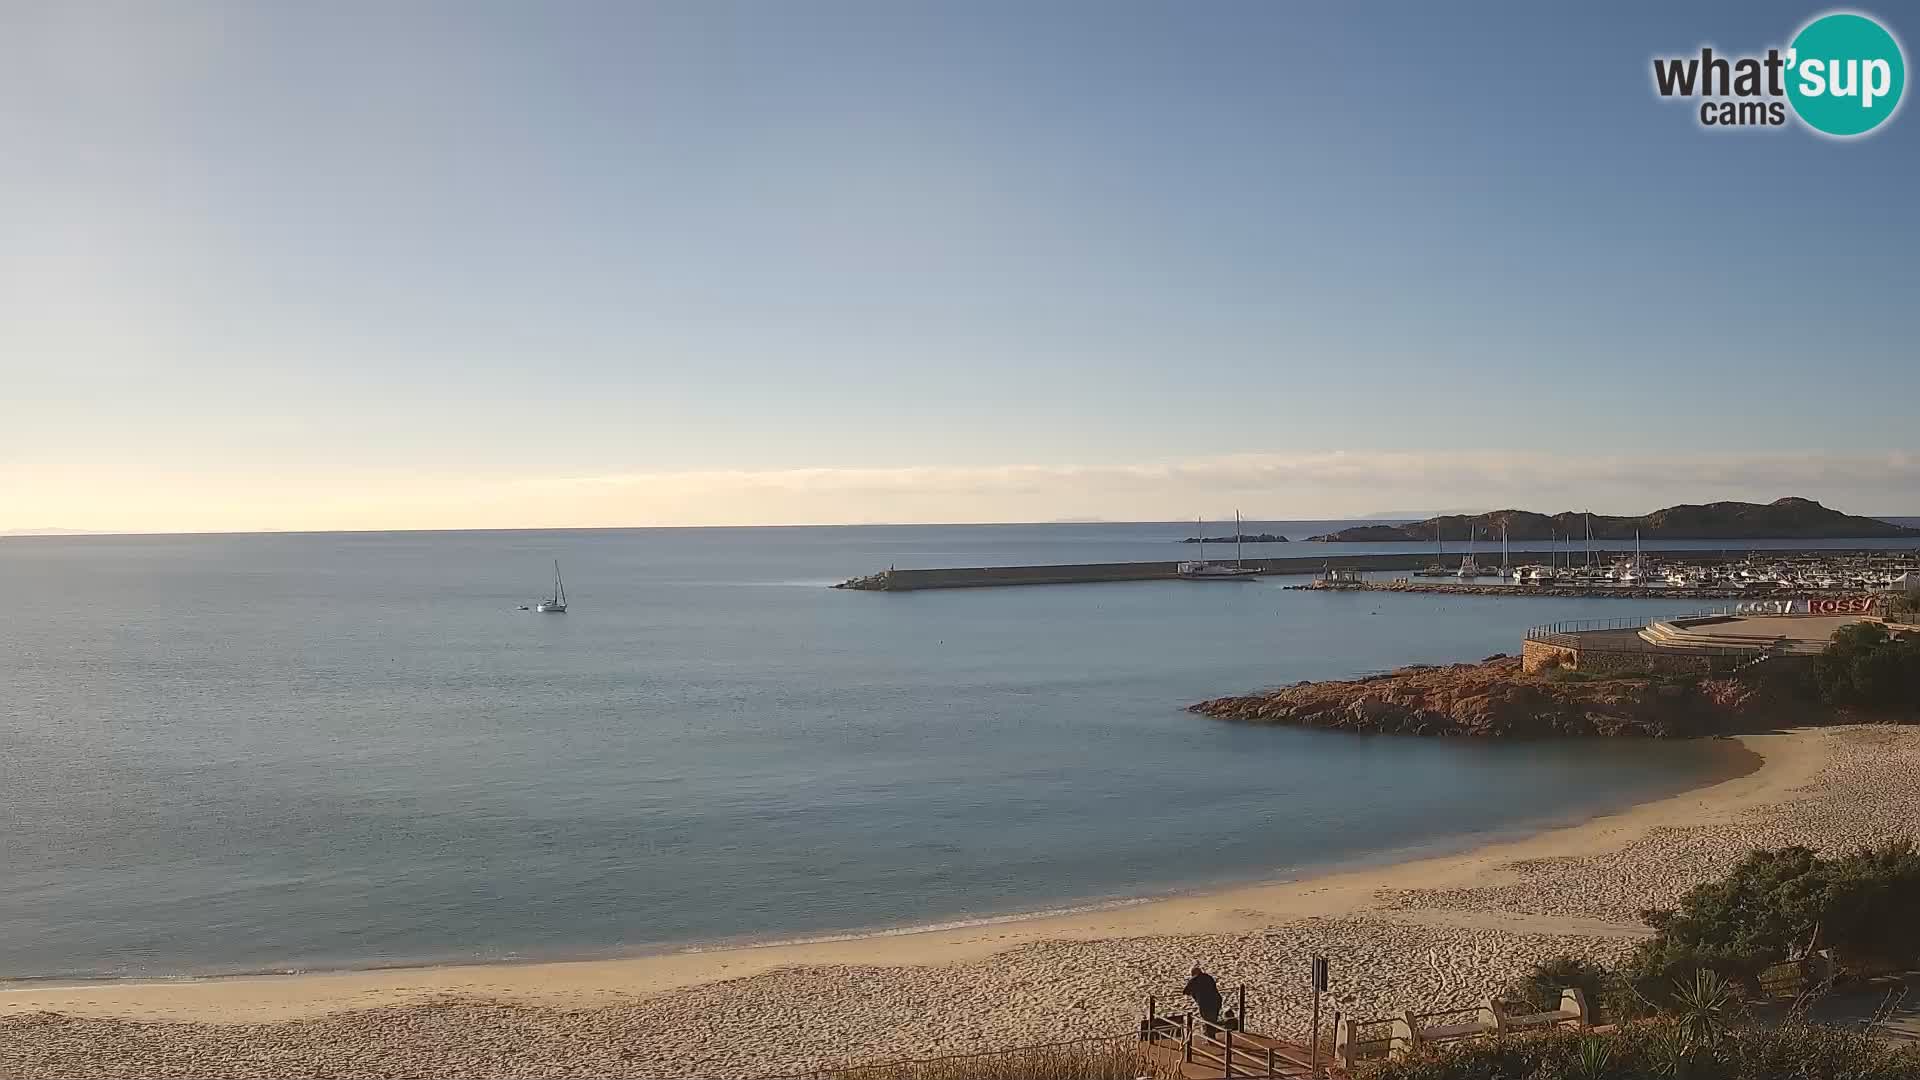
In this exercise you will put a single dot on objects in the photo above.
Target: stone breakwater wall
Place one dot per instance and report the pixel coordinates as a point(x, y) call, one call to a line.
point(967, 577)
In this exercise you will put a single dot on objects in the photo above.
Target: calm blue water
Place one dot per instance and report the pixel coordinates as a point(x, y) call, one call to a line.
point(235, 753)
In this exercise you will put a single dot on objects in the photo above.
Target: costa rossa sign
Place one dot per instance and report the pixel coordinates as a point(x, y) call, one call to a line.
point(1827, 605)
point(1840, 605)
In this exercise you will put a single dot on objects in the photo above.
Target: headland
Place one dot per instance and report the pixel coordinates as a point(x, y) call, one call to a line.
point(1790, 518)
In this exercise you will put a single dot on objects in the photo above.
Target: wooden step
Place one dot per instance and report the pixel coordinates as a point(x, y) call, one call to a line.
point(1249, 1058)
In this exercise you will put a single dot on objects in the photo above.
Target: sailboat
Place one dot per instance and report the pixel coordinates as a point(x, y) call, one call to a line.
point(1637, 569)
point(557, 603)
point(1469, 568)
point(1202, 570)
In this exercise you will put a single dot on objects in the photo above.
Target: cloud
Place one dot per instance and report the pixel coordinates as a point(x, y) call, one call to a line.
point(1263, 486)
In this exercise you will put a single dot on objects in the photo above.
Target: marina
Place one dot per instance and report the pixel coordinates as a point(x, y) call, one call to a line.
point(1673, 573)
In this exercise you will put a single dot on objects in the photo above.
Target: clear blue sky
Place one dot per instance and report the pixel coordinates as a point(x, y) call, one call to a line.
point(265, 251)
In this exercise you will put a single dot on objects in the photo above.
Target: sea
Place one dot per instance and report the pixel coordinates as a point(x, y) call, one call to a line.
point(286, 752)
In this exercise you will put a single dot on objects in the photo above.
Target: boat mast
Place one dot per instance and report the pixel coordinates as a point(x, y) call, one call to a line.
point(559, 587)
point(1503, 549)
point(1236, 539)
point(1203, 540)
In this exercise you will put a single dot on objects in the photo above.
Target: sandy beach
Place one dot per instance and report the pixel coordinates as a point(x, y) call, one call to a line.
point(1430, 931)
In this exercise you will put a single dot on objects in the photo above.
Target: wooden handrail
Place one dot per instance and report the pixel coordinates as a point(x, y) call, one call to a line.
point(1234, 1059)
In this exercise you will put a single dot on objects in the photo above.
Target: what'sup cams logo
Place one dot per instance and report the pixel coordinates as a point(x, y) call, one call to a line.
point(1842, 76)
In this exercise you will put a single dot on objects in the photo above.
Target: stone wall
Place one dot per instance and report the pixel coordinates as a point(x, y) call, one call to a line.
point(1648, 662)
point(1538, 656)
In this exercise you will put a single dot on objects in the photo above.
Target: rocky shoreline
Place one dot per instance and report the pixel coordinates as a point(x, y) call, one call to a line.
point(1495, 698)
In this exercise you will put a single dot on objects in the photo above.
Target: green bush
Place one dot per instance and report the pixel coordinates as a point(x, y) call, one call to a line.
point(1539, 989)
point(1776, 905)
point(1664, 1048)
point(1867, 667)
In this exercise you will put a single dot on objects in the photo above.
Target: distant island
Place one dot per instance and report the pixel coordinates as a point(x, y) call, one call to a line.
point(1783, 519)
point(1245, 538)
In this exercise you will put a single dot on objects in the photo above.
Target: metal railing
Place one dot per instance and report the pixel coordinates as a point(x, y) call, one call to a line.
point(1578, 626)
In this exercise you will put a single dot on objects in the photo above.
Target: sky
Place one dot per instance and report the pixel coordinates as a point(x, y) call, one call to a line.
point(362, 265)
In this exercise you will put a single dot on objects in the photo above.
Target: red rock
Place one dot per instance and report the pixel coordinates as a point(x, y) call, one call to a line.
point(1495, 698)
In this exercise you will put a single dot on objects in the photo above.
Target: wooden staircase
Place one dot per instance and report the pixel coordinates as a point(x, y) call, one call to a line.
point(1191, 1048)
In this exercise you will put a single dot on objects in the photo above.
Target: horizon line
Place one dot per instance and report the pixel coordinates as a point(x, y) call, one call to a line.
point(85, 534)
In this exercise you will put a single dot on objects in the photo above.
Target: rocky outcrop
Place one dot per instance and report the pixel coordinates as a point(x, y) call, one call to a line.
point(1494, 698)
point(1245, 538)
point(1782, 519)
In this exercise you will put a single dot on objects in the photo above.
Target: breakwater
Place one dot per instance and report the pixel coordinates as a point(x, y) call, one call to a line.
point(970, 577)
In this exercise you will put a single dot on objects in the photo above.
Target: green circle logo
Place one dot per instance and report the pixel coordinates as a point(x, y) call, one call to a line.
point(1845, 74)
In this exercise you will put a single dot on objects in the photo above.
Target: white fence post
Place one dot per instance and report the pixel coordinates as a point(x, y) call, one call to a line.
point(1573, 1002)
point(1406, 1035)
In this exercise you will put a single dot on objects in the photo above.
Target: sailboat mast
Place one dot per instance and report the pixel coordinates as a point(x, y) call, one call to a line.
point(1197, 524)
point(1237, 530)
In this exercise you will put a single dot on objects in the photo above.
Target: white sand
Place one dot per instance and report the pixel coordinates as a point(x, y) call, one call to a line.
point(1432, 931)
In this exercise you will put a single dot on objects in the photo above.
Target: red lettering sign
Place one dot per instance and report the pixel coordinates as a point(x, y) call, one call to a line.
point(1840, 605)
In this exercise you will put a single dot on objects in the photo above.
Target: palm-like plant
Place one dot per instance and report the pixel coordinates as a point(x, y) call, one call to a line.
point(1705, 1008)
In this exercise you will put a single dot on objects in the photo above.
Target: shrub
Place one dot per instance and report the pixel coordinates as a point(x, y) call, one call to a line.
point(1663, 1048)
point(1539, 989)
point(1871, 900)
point(1780, 904)
point(1866, 666)
point(1733, 927)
